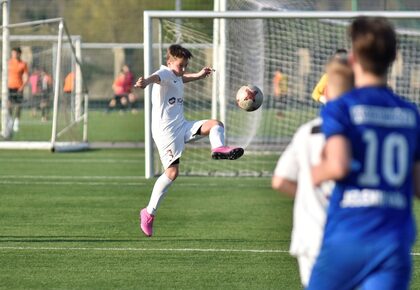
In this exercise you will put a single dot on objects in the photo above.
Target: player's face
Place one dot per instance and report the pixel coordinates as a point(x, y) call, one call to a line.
point(15, 54)
point(178, 66)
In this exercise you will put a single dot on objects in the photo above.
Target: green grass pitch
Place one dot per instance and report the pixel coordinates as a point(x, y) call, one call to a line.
point(70, 221)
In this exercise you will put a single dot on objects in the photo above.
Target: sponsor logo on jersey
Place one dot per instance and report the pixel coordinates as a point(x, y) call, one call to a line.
point(171, 101)
point(373, 198)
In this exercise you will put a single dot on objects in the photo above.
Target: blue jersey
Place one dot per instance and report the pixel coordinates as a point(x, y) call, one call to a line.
point(370, 228)
point(374, 201)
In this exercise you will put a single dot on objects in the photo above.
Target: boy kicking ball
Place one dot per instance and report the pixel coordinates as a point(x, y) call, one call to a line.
point(170, 129)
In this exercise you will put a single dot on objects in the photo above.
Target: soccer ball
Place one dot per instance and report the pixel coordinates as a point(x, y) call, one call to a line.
point(249, 98)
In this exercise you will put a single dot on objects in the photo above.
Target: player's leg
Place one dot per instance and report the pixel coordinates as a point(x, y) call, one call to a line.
point(124, 102)
point(43, 105)
point(170, 153)
point(16, 100)
point(216, 132)
point(111, 105)
point(160, 188)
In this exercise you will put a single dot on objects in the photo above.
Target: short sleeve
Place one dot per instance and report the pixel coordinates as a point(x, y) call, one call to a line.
point(288, 164)
point(335, 119)
point(164, 74)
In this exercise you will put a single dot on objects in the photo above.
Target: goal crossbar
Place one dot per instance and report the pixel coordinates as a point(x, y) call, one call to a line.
point(149, 15)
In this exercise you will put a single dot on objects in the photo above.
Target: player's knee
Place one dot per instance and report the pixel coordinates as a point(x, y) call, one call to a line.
point(218, 123)
point(172, 172)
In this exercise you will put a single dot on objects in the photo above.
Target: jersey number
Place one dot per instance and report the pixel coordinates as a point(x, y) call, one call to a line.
point(395, 148)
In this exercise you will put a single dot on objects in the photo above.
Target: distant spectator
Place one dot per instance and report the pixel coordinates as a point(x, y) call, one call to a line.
point(68, 89)
point(40, 83)
point(128, 85)
point(69, 83)
point(279, 83)
point(119, 99)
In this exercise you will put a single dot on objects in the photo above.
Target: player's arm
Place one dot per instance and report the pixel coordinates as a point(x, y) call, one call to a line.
point(284, 185)
point(285, 175)
point(417, 179)
point(144, 82)
point(189, 77)
point(335, 163)
point(25, 78)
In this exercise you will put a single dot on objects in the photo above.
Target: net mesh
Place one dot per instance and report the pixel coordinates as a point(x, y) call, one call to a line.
point(285, 58)
point(39, 46)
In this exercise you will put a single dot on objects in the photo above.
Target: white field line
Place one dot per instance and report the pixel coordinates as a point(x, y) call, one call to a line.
point(32, 182)
point(96, 177)
point(144, 249)
point(71, 177)
point(100, 180)
point(87, 160)
point(150, 250)
point(122, 183)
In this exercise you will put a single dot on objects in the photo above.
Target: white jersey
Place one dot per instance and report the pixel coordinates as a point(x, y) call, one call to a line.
point(167, 106)
point(310, 206)
point(170, 130)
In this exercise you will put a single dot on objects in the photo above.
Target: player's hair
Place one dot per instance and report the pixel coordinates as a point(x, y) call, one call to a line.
point(177, 51)
point(374, 43)
point(17, 49)
point(339, 65)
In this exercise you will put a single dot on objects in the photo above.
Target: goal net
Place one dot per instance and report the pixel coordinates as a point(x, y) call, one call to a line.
point(283, 56)
point(52, 113)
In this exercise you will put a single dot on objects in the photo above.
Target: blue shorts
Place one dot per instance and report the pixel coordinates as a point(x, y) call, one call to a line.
point(365, 266)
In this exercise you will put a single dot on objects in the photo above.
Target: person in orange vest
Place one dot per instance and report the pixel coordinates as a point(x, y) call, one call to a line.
point(17, 79)
point(69, 83)
point(279, 83)
point(68, 89)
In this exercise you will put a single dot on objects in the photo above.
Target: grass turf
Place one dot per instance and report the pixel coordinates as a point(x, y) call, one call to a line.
point(70, 221)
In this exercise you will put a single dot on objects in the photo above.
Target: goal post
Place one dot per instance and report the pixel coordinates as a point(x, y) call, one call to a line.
point(50, 53)
point(305, 63)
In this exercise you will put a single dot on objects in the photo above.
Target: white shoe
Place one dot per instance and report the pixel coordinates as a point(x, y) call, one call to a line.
point(16, 125)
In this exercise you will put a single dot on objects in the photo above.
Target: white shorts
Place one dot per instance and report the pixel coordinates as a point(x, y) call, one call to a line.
point(171, 150)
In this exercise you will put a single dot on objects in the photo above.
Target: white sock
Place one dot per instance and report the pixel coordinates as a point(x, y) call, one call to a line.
point(16, 124)
point(217, 136)
point(159, 192)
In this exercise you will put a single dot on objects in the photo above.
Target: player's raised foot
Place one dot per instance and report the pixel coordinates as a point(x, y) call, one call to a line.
point(227, 152)
point(146, 222)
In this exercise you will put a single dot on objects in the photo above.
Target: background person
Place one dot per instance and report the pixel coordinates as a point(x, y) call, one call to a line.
point(17, 79)
point(292, 176)
point(372, 151)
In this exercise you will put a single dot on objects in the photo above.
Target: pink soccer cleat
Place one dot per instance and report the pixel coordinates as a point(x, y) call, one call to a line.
point(227, 152)
point(146, 222)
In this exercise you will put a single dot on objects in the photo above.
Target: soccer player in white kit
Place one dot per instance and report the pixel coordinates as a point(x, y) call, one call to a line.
point(292, 175)
point(170, 129)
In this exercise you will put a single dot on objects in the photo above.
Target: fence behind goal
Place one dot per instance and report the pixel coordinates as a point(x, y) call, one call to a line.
point(281, 52)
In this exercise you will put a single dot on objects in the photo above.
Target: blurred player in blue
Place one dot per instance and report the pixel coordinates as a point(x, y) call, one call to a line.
point(372, 151)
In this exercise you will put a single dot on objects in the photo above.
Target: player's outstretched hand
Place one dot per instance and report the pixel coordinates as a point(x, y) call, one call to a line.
point(206, 71)
point(141, 83)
